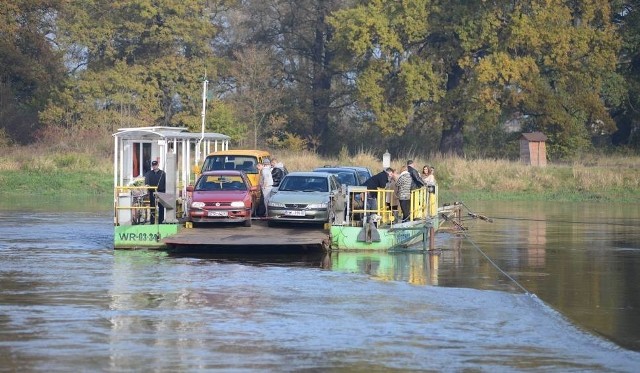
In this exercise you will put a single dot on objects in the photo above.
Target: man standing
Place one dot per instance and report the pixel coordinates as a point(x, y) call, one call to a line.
point(377, 181)
point(155, 178)
point(277, 172)
point(416, 180)
point(266, 183)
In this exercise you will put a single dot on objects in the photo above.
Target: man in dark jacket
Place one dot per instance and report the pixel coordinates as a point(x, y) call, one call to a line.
point(277, 172)
point(155, 178)
point(416, 180)
point(377, 181)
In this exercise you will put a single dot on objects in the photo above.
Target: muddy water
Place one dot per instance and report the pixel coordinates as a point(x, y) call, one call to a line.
point(544, 287)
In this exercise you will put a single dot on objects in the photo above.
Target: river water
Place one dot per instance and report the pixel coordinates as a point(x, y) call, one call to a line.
point(545, 287)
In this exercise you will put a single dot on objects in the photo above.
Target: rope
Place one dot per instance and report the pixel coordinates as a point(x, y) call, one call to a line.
point(566, 221)
point(494, 264)
point(474, 215)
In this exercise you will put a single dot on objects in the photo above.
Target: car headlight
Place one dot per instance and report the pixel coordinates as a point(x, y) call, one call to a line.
point(276, 204)
point(197, 205)
point(237, 204)
point(317, 205)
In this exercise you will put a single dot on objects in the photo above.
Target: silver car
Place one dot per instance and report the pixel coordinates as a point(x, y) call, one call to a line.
point(303, 197)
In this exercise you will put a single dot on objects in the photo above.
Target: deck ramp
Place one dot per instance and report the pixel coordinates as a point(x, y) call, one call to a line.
point(258, 237)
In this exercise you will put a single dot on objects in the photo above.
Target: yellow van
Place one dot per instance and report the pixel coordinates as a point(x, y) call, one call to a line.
point(244, 159)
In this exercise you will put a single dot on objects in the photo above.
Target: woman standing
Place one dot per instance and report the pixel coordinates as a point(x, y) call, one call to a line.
point(404, 192)
point(427, 175)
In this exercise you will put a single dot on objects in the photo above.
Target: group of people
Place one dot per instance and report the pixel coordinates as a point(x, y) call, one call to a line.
point(271, 174)
point(401, 182)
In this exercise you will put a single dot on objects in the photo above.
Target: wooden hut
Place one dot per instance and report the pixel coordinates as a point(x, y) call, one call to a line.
point(533, 150)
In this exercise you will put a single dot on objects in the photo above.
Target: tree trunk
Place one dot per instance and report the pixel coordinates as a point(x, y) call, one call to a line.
point(452, 141)
point(321, 88)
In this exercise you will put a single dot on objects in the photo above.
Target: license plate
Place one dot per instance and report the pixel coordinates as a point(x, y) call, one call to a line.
point(294, 213)
point(217, 213)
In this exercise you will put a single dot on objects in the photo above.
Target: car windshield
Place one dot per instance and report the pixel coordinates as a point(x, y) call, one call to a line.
point(231, 162)
point(363, 176)
point(304, 184)
point(347, 178)
point(211, 183)
point(344, 176)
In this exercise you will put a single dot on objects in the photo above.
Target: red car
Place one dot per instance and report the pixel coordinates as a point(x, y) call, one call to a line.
point(222, 196)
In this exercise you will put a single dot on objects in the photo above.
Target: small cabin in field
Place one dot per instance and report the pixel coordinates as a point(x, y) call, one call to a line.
point(533, 149)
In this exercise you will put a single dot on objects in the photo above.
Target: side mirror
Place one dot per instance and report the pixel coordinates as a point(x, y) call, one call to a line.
point(189, 188)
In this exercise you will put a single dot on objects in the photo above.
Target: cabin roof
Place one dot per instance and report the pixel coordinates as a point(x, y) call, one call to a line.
point(167, 133)
point(534, 137)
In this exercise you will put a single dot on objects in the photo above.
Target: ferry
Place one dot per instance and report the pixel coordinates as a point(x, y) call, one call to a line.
point(179, 153)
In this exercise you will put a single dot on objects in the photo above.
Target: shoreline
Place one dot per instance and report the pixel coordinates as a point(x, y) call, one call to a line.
point(71, 185)
point(612, 179)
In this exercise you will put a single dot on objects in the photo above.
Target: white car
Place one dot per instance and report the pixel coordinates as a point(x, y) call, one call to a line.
point(303, 197)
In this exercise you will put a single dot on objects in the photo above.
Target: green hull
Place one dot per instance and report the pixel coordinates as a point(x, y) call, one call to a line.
point(142, 236)
point(401, 236)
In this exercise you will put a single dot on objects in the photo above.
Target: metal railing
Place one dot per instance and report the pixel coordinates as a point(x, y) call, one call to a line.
point(138, 207)
point(423, 204)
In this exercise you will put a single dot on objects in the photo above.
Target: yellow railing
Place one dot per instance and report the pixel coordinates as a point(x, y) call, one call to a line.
point(138, 206)
point(422, 204)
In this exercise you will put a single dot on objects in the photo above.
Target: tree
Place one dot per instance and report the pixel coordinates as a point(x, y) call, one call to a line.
point(457, 63)
point(298, 35)
point(627, 117)
point(135, 62)
point(396, 80)
point(30, 66)
point(257, 89)
point(553, 61)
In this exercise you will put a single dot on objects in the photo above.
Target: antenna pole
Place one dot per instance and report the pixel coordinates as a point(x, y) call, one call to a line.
point(205, 85)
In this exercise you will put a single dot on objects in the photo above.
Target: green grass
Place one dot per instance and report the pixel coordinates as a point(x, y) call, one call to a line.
point(41, 170)
point(56, 182)
point(557, 196)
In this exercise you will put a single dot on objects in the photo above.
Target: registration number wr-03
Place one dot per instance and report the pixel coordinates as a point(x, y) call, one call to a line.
point(294, 213)
point(217, 213)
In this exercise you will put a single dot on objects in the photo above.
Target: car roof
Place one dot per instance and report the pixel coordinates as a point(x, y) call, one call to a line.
point(332, 169)
point(309, 173)
point(253, 152)
point(359, 168)
point(223, 172)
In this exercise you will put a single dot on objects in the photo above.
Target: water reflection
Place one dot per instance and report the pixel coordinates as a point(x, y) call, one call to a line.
point(415, 267)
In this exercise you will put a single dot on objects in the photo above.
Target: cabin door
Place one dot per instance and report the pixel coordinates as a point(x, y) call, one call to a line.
point(141, 158)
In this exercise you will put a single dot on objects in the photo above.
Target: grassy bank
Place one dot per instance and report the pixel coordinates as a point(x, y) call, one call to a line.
point(57, 182)
point(68, 172)
point(612, 178)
